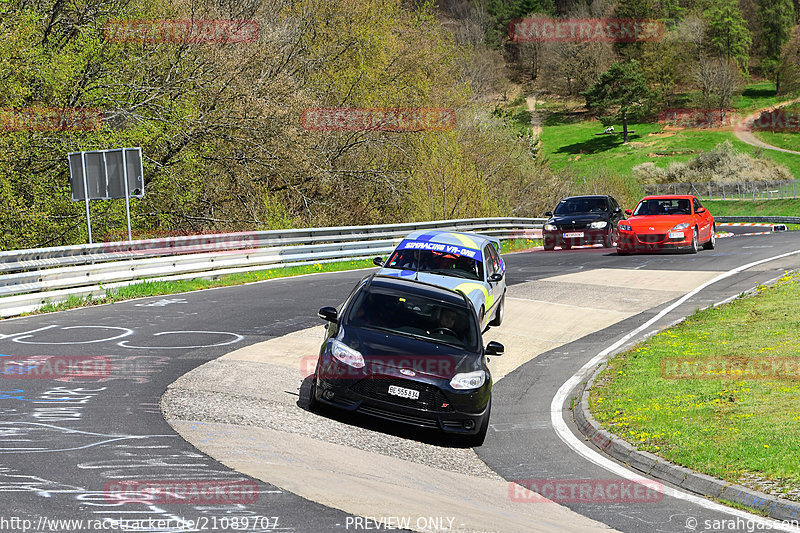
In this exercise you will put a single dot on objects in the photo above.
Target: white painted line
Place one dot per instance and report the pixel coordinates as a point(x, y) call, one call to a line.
point(579, 447)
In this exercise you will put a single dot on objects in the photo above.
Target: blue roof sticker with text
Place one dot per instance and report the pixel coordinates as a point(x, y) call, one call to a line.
point(443, 248)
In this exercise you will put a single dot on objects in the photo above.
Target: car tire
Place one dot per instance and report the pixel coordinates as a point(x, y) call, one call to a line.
point(498, 314)
point(313, 404)
point(694, 246)
point(549, 243)
point(473, 441)
point(566, 245)
point(481, 314)
point(611, 239)
point(712, 241)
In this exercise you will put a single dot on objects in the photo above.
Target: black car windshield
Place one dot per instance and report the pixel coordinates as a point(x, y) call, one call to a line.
point(415, 316)
point(664, 206)
point(444, 263)
point(571, 206)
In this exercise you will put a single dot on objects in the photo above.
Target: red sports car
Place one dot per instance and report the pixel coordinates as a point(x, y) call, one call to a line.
point(666, 222)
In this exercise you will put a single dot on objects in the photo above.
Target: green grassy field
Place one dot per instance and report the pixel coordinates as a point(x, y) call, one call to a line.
point(788, 207)
point(758, 95)
point(570, 140)
point(697, 394)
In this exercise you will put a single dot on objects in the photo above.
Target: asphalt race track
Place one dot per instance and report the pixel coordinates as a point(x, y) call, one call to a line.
point(66, 442)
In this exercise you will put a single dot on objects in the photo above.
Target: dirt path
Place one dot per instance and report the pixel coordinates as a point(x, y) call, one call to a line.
point(536, 119)
point(744, 129)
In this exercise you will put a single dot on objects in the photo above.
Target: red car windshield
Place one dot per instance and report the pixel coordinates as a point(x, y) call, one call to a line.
point(664, 206)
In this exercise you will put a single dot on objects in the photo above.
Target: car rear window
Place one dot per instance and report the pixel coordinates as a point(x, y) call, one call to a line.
point(444, 263)
point(415, 316)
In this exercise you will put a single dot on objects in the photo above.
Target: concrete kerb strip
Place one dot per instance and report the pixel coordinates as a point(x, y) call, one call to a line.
point(663, 470)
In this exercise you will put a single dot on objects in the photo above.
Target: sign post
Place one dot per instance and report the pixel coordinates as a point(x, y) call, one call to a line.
point(106, 175)
point(86, 196)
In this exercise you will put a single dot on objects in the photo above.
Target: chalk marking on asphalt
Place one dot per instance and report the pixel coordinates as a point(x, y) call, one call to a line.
point(125, 333)
point(565, 434)
point(236, 338)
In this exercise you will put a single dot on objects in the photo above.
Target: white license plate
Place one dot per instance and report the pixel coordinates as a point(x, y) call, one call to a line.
point(574, 234)
point(676, 235)
point(403, 392)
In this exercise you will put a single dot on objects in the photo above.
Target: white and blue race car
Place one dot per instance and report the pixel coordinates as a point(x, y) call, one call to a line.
point(466, 262)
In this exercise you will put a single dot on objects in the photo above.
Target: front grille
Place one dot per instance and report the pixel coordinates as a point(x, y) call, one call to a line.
point(563, 226)
point(652, 238)
point(430, 397)
point(398, 417)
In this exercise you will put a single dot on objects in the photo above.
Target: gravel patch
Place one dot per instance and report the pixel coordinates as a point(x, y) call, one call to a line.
point(783, 488)
point(268, 396)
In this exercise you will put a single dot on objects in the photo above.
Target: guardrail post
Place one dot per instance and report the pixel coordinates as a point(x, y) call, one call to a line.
point(709, 190)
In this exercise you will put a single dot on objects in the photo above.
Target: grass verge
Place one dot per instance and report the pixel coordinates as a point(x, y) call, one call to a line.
point(157, 288)
point(160, 288)
point(698, 395)
point(788, 207)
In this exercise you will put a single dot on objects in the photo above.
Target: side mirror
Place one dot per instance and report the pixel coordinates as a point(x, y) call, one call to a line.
point(548, 213)
point(328, 313)
point(497, 276)
point(700, 210)
point(378, 261)
point(618, 210)
point(628, 212)
point(494, 348)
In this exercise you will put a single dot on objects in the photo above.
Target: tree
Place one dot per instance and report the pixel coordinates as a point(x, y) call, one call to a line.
point(790, 64)
point(728, 35)
point(776, 19)
point(621, 87)
point(504, 11)
point(719, 80)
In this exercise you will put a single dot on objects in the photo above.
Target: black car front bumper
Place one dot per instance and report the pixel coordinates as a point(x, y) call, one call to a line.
point(449, 411)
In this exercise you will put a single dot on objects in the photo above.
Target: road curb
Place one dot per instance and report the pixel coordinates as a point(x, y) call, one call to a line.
point(661, 469)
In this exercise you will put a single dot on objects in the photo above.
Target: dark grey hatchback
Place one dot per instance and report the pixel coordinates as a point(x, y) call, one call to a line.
point(409, 352)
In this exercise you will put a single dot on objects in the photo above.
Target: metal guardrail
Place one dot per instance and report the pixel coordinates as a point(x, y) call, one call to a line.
point(36, 277)
point(38, 258)
point(768, 220)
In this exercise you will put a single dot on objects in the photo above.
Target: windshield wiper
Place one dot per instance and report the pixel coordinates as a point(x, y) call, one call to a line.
point(415, 336)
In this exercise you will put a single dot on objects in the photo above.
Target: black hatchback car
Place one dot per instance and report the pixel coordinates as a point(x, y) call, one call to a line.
point(581, 220)
point(409, 352)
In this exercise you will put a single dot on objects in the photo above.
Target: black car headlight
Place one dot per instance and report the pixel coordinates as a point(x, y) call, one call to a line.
point(346, 354)
point(468, 380)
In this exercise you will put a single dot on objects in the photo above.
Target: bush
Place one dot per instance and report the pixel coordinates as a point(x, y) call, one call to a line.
point(723, 164)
